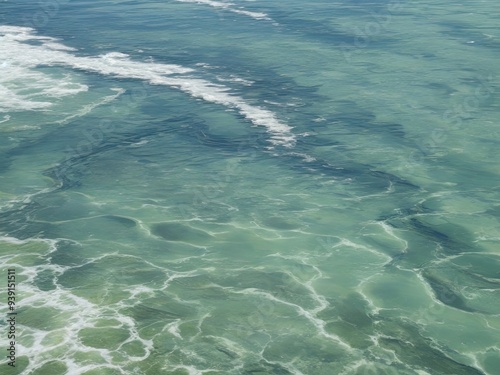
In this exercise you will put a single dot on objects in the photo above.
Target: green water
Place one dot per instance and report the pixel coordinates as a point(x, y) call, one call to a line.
point(257, 188)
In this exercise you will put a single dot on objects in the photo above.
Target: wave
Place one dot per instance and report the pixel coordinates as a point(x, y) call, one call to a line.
point(22, 51)
point(229, 7)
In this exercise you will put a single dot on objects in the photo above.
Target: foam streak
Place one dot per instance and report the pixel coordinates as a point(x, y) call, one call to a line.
point(17, 53)
point(229, 8)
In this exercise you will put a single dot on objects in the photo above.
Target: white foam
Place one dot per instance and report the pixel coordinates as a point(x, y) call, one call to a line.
point(256, 15)
point(24, 89)
point(11, 101)
point(307, 158)
point(230, 8)
point(15, 241)
point(90, 107)
point(22, 56)
point(59, 47)
point(311, 316)
point(173, 328)
point(79, 314)
point(235, 79)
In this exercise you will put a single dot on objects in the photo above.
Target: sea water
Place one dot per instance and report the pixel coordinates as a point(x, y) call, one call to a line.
point(250, 187)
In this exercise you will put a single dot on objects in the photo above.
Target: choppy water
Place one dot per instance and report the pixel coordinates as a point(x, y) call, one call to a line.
point(251, 187)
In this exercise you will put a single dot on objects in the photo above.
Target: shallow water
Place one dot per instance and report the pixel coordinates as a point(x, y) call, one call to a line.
point(205, 187)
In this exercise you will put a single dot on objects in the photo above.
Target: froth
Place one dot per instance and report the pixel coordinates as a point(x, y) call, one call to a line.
point(21, 58)
point(229, 7)
point(25, 89)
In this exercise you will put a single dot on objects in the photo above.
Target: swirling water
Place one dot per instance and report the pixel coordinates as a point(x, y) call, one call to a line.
point(251, 187)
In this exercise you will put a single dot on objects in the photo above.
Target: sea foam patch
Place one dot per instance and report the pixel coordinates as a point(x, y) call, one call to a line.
point(22, 51)
point(230, 8)
point(24, 89)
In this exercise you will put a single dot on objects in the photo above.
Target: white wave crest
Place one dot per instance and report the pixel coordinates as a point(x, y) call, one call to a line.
point(21, 58)
point(230, 8)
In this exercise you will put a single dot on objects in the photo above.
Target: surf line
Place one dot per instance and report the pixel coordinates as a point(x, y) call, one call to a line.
point(17, 49)
point(11, 321)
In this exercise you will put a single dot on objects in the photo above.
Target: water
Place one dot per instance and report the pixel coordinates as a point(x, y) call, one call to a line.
point(205, 187)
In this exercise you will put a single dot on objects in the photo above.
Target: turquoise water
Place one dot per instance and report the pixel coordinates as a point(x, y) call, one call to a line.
point(251, 187)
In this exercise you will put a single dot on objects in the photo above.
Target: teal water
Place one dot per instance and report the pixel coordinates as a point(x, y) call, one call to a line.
point(251, 187)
